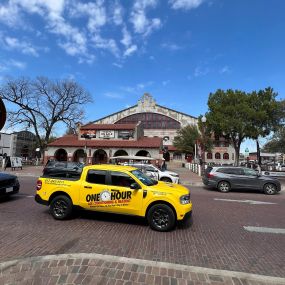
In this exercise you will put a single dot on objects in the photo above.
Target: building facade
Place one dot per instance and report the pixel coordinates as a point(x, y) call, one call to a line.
point(146, 129)
point(18, 144)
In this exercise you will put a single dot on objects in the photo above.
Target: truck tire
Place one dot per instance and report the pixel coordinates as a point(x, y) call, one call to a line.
point(61, 207)
point(161, 218)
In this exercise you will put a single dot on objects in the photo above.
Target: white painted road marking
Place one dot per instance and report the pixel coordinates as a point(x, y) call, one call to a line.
point(251, 202)
point(265, 230)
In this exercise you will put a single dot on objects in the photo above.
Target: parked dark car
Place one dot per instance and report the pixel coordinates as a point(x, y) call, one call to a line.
point(63, 169)
point(226, 178)
point(9, 184)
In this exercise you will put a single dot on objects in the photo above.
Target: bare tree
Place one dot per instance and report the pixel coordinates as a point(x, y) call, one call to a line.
point(42, 103)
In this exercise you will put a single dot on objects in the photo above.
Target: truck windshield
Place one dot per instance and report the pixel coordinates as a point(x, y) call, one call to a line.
point(143, 178)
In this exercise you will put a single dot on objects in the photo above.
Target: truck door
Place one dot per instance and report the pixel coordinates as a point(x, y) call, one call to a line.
point(125, 200)
point(93, 189)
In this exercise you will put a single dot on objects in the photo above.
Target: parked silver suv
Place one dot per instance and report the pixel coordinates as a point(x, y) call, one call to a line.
point(225, 178)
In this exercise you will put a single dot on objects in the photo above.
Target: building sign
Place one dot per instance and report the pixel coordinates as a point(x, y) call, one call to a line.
point(16, 162)
point(88, 134)
point(106, 134)
point(2, 114)
point(125, 134)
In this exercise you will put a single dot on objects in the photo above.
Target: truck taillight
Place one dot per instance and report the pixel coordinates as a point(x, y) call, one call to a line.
point(39, 185)
point(210, 175)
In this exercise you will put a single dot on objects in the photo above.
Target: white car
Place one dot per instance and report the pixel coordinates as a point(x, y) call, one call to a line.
point(155, 173)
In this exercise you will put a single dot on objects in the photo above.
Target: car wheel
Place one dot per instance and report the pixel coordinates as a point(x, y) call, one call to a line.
point(166, 179)
point(224, 186)
point(270, 189)
point(161, 218)
point(61, 207)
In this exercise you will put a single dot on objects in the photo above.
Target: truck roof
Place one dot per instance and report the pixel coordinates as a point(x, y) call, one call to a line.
point(110, 167)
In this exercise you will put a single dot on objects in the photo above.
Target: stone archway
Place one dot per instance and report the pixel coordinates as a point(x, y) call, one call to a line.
point(99, 156)
point(143, 153)
point(60, 155)
point(79, 156)
point(121, 152)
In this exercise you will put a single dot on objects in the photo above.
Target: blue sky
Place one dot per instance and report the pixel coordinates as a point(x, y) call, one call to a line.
point(177, 50)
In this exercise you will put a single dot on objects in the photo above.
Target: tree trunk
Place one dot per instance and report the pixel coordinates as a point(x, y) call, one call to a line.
point(237, 150)
point(258, 153)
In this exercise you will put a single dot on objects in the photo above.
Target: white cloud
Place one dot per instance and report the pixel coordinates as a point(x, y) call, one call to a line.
point(108, 44)
point(117, 13)
point(113, 95)
point(171, 46)
point(127, 42)
point(24, 47)
point(95, 12)
point(118, 65)
point(9, 14)
point(185, 4)
point(225, 69)
point(12, 63)
point(143, 25)
point(166, 82)
point(79, 26)
point(201, 71)
point(138, 88)
point(130, 50)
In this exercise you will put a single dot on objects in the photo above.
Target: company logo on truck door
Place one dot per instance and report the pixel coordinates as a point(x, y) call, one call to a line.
point(113, 198)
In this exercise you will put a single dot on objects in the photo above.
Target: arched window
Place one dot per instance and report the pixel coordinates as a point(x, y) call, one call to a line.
point(209, 155)
point(217, 155)
point(151, 121)
point(226, 156)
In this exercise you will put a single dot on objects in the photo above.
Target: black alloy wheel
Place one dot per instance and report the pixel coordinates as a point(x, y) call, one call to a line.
point(270, 189)
point(61, 207)
point(224, 186)
point(161, 218)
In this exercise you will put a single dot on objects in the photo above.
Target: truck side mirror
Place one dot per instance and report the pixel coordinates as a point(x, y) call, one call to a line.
point(135, 186)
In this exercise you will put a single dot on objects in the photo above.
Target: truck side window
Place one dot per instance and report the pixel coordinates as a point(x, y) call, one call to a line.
point(96, 177)
point(121, 179)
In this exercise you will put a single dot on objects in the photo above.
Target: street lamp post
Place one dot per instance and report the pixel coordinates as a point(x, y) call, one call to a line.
point(203, 120)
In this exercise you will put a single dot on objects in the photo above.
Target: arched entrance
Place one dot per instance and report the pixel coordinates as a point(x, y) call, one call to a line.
point(79, 156)
point(99, 156)
point(143, 153)
point(61, 155)
point(120, 152)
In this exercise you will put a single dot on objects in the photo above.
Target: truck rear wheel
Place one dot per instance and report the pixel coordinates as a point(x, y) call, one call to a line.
point(61, 207)
point(161, 218)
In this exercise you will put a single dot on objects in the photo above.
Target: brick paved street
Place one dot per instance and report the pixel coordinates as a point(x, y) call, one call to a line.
point(216, 240)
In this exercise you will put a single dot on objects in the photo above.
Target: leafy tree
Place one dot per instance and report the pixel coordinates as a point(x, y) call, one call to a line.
point(228, 116)
point(186, 139)
point(265, 116)
point(188, 136)
point(277, 142)
point(43, 103)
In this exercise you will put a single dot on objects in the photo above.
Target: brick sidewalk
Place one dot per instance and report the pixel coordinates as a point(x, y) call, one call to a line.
point(106, 269)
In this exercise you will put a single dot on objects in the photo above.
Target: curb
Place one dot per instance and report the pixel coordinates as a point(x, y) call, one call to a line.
point(110, 258)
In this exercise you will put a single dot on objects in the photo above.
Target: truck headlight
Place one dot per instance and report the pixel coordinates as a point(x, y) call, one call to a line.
point(185, 199)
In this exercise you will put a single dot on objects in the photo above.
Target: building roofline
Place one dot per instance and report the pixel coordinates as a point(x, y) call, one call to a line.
point(93, 122)
point(110, 115)
point(176, 111)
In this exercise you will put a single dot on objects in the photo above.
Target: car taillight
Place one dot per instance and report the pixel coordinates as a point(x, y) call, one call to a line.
point(39, 185)
point(210, 175)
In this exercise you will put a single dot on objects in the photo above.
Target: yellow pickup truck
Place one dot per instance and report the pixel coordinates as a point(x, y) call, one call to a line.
point(115, 189)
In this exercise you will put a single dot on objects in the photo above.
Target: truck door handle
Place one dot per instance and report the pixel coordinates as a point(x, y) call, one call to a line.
point(88, 187)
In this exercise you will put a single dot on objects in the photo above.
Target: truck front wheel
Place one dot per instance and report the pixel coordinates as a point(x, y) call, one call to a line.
point(161, 218)
point(61, 207)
